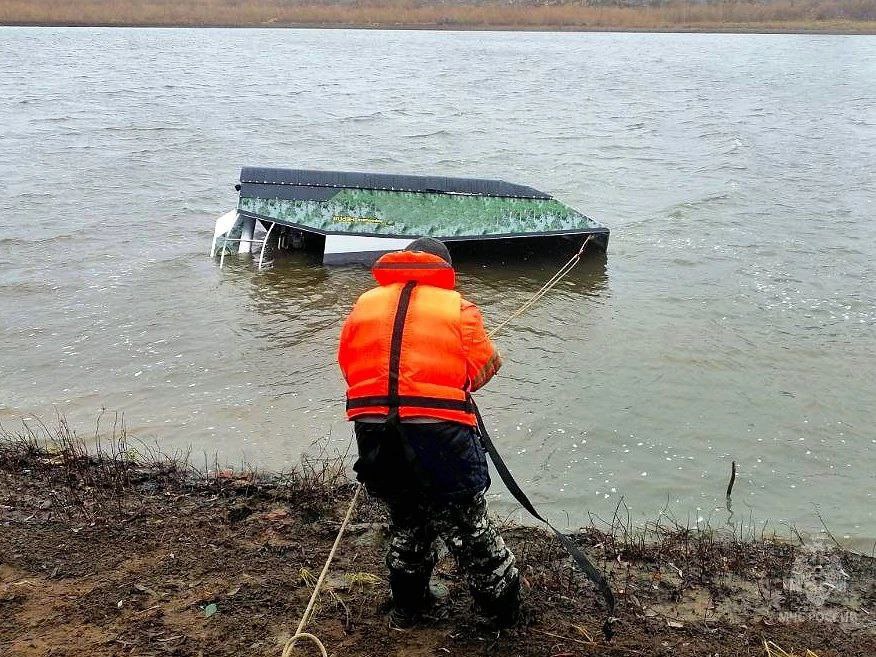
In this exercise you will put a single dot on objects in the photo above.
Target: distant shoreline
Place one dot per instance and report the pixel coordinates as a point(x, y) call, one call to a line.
point(682, 16)
point(858, 28)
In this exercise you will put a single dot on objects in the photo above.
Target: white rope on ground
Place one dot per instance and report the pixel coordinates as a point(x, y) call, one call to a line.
point(308, 612)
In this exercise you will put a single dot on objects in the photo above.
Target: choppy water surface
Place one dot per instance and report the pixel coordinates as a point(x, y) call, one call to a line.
point(733, 319)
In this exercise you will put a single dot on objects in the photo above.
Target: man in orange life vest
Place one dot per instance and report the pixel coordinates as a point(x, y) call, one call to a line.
point(411, 351)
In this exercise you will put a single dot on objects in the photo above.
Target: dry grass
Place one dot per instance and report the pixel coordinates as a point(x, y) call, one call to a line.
point(784, 15)
point(212, 564)
point(92, 477)
point(695, 555)
point(97, 476)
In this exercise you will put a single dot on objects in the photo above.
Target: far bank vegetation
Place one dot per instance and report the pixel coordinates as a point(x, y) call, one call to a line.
point(781, 15)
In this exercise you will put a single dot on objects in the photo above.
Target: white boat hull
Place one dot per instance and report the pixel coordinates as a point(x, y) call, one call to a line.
point(344, 249)
point(224, 224)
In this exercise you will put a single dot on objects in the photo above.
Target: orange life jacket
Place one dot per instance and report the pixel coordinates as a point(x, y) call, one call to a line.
point(401, 347)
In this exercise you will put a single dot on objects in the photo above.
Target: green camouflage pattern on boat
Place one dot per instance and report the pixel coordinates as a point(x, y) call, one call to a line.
point(381, 212)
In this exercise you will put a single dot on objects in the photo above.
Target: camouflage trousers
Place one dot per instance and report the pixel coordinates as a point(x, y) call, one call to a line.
point(469, 534)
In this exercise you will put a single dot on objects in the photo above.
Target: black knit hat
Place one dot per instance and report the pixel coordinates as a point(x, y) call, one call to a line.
point(430, 245)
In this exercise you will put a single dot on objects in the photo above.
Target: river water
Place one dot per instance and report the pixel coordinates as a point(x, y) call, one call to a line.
point(733, 319)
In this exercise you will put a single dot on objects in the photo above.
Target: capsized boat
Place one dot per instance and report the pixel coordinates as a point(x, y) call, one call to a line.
point(356, 217)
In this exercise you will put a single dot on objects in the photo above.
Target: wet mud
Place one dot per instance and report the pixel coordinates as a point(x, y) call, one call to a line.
point(116, 556)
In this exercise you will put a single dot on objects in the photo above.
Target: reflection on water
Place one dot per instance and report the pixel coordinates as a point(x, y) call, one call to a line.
point(300, 298)
point(733, 319)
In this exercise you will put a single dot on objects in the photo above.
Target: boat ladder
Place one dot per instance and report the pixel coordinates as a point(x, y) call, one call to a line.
point(224, 225)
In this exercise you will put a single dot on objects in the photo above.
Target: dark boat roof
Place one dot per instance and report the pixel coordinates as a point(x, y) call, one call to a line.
point(385, 205)
point(255, 177)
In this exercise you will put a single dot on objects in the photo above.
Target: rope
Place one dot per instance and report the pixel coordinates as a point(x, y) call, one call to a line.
point(547, 287)
point(508, 479)
point(308, 612)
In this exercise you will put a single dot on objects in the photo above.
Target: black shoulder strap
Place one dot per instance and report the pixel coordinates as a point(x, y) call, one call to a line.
point(393, 400)
point(574, 551)
point(395, 345)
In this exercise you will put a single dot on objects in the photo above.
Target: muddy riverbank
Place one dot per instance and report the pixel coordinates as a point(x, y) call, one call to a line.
point(132, 554)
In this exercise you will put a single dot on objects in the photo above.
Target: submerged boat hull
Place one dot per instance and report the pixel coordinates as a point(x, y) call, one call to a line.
point(355, 217)
point(346, 249)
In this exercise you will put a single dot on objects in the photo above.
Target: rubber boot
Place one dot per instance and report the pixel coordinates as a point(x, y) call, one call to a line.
point(409, 597)
point(502, 611)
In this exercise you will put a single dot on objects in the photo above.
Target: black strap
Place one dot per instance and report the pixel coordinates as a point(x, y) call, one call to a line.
point(393, 400)
point(412, 265)
point(395, 345)
point(574, 551)
point(410, 400)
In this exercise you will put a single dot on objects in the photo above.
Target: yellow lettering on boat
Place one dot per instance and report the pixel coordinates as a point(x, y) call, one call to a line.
point(349, 219)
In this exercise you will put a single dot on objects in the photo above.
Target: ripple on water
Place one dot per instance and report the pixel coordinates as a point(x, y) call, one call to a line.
point(733, 317)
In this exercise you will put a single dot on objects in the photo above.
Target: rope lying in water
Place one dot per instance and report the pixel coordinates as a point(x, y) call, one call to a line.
point(308, 612)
